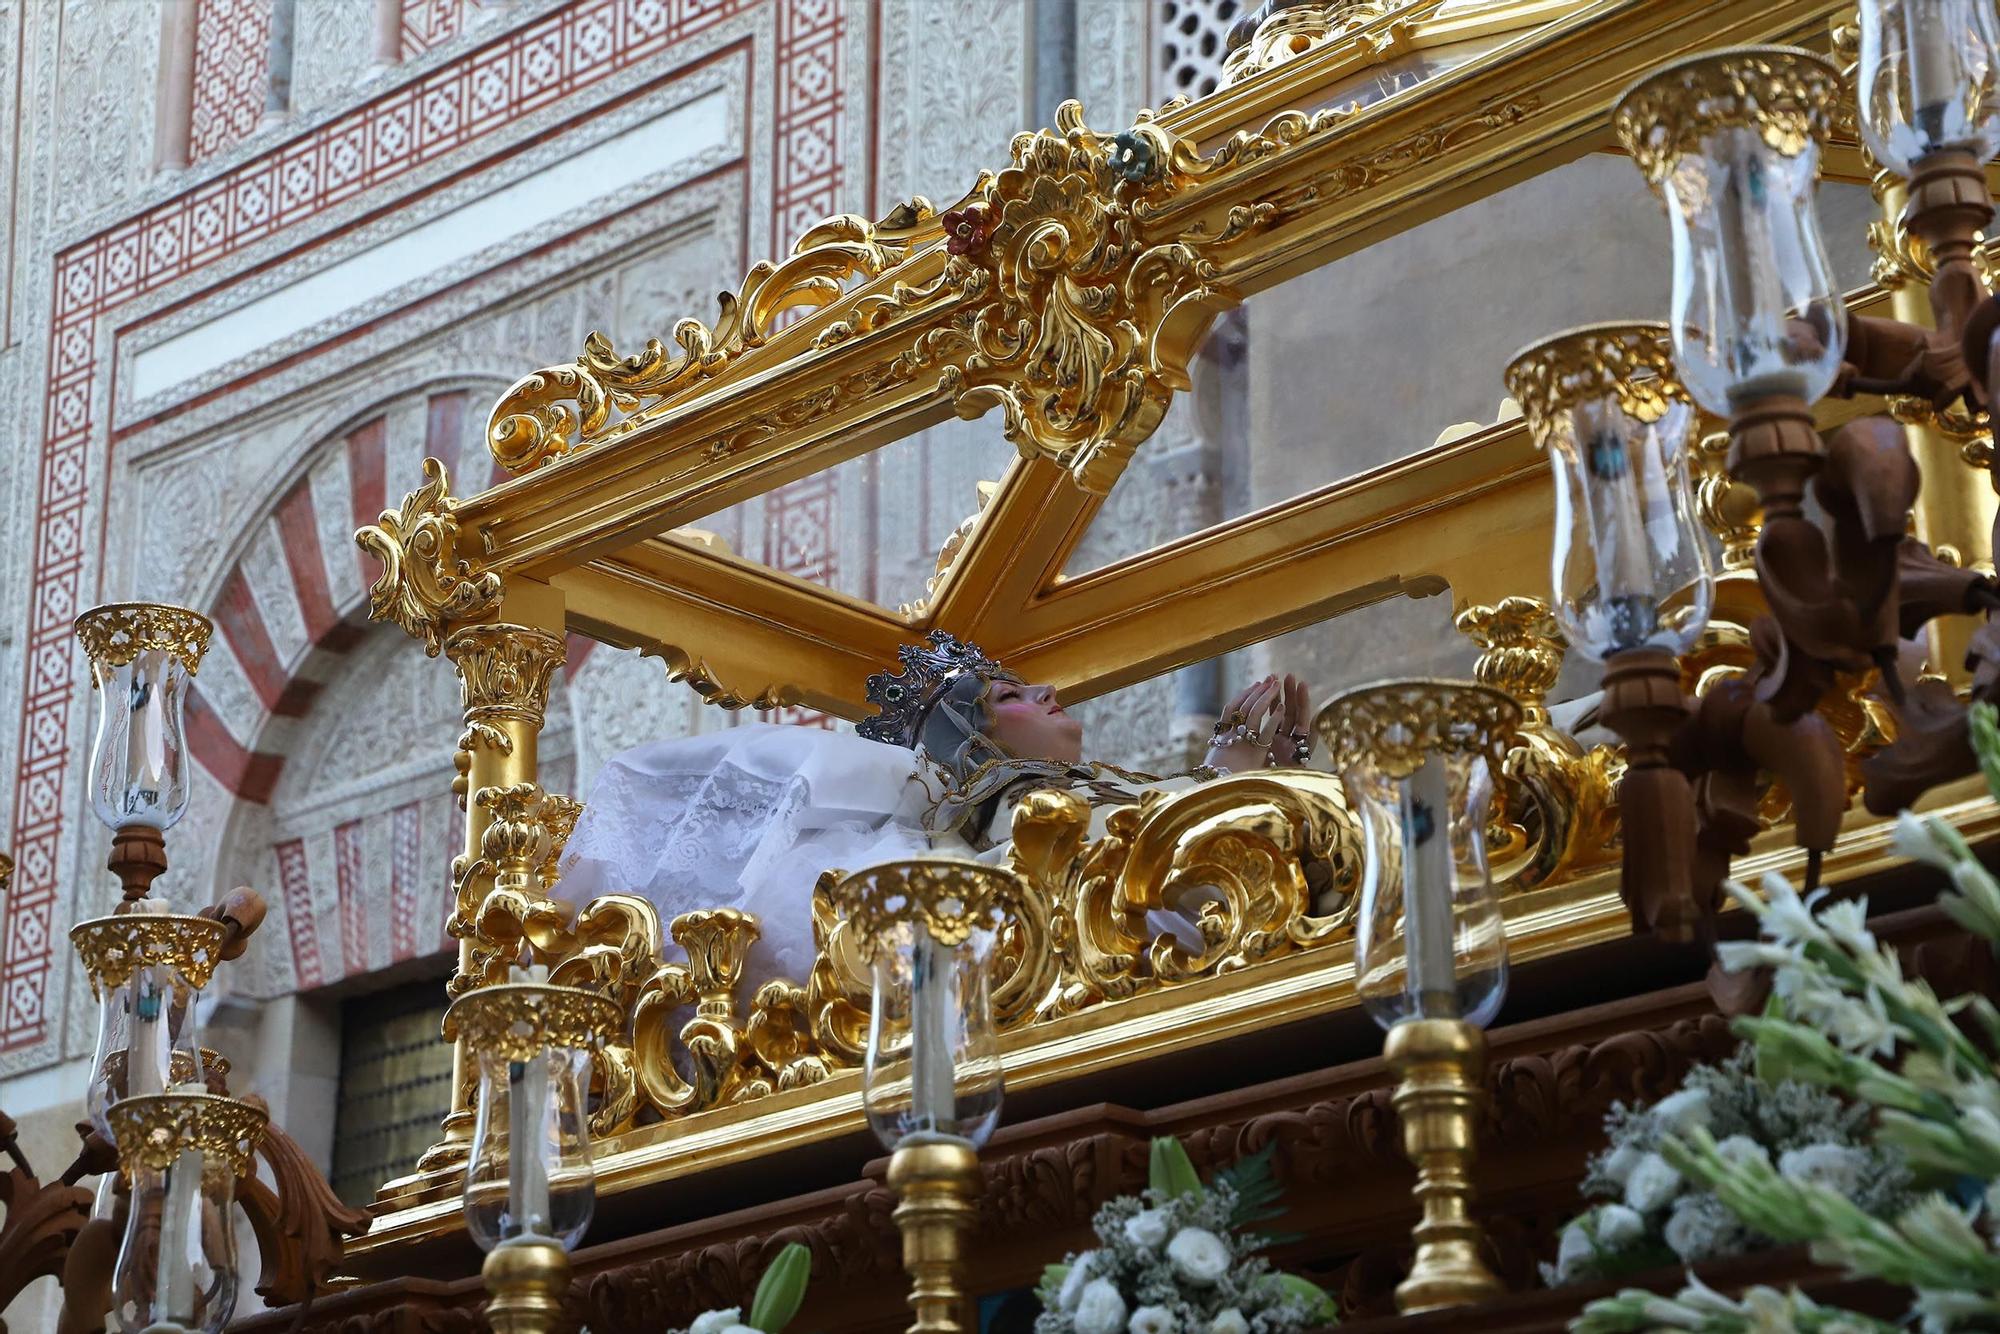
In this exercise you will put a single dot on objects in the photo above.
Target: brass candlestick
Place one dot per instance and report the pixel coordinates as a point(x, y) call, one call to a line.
point(526, 1277)
point(936, 1184)
point(1439, 1062)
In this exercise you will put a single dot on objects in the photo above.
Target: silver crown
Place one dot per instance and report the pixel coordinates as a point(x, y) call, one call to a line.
point(904, 697)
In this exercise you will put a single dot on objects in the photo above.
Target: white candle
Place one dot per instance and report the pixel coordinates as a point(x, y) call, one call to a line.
point(527, 1115)
point(148, 1053)
point(1425, 797)
point(173, 1290)
point(933, 1098)
point(1933, 70)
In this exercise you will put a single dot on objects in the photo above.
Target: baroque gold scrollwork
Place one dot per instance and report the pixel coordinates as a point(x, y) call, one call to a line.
point(1264, 863)
point(1560, 800)
point(1080, 328)
point(545, 415)
point(425, 585)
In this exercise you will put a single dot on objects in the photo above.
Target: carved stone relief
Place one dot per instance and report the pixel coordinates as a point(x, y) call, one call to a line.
point(333, 43)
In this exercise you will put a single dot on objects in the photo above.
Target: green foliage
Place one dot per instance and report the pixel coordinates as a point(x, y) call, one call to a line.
point(1849, 1020)
point(1171, 1174)
point(1983, 728)
point(781, 1290)
point(1257, 1191)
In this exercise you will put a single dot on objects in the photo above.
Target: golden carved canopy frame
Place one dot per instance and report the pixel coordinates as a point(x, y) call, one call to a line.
point(1068, 289)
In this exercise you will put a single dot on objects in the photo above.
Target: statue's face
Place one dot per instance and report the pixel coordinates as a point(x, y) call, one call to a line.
point(1029, 724)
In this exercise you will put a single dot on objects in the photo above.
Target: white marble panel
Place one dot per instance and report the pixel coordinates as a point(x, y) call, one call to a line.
point(333, 511)
point(269, 576)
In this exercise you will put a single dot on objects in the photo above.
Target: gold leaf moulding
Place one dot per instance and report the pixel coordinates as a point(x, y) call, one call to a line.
point(153, 1130)
point(519, 1019)
point(948, 897)
point(118, 632)
point(112, 948)
point(1632, 362)
point(1789, 96)
point(1396, 723)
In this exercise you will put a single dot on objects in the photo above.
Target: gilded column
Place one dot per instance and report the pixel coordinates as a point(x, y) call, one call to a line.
point(1957, 507)
point(504, 672)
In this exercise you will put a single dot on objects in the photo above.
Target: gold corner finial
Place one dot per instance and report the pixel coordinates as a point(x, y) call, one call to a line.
point(425, 586)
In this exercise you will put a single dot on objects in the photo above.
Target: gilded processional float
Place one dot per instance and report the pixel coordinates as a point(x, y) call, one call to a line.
point(1771, 524)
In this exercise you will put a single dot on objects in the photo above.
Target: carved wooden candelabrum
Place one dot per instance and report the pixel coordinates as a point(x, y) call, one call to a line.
point(1421, 760)
point(1633, 589)
point(530, 1187)
point(1730, 141)
point(928, 929)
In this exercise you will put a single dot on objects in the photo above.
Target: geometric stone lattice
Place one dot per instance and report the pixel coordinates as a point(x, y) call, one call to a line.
point(1192, 37)
point(232, 56)
point(429, 23)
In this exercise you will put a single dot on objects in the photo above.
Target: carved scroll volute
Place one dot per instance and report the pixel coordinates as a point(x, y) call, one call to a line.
point(1237, 853)
point(425, 585)
point(839, 991)
point(716, 941)
point(618, 940)
point(1559, 813)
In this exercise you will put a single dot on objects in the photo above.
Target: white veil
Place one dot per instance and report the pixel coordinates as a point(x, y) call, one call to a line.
point(746, 818)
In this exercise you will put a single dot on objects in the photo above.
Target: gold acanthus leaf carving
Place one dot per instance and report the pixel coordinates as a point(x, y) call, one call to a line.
point(545, 415)
point(425, 586)
point(1079, 329)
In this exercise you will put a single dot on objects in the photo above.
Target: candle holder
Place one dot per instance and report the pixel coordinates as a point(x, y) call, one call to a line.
point(147, 971)
point(1634, 590)
point(530, 1188)
point(181, 1154)
point(1421, 760)
point(928, 928)
point(142, 655)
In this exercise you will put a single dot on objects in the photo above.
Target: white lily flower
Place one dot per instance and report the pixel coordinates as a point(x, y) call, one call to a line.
point(1652, 1185)
point(1617, 1226)
point(1147, 1229)
point(1680, 1112)
point(1100, 1310)
point(1075, 1281)
point(1198, 1256)
point(715, 1322)
point(1153, 1320)
point(1229, 1320)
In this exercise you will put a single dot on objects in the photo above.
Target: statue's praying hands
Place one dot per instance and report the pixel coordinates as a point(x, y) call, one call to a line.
point(1267, 724)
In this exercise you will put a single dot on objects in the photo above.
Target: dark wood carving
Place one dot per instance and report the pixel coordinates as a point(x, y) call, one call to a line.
point(301, 1226)
point(43, 1219)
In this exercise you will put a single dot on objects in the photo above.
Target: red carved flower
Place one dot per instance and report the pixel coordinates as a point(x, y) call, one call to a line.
point(966, 231)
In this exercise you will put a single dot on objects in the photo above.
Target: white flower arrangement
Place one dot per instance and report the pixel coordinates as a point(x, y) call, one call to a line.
point(779, 1294)
point(1177, 1260)
point(1649, 1214)
point(1845, 1017)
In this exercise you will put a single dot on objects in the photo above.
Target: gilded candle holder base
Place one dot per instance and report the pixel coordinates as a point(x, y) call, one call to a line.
point(937, 1184)
point(526, 1278)
point(1439, 1062)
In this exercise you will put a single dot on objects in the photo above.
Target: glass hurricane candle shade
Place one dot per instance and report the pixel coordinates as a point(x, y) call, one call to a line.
point(181, 1155)
point(1731, 143)
point(932, 1068)
point(148, 1041)
point(531, 1173)
point(147, 969)
point(930, 930)
point(1631, 565)
point(1929, 79)
point(1422, 758)
point(141, 658)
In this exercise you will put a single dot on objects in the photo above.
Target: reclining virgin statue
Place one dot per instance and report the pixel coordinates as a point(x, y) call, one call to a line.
point(749, 817)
